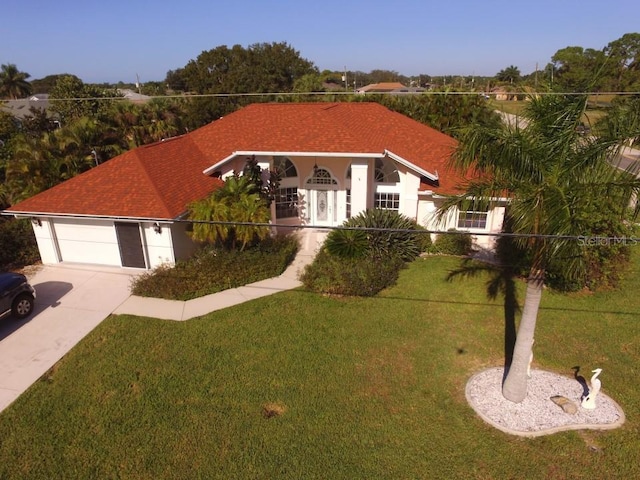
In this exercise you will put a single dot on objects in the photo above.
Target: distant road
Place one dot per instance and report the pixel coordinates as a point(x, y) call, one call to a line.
point(630, 158)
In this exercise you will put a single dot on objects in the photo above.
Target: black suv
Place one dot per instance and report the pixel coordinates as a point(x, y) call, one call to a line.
point(16, 295)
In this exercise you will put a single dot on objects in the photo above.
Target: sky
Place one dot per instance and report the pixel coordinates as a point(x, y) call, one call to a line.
point(118, 40)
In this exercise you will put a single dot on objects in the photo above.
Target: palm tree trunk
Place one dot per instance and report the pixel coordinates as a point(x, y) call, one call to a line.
point(514, 387)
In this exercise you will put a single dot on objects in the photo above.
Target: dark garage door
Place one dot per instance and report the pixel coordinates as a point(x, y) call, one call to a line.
point(130, 244)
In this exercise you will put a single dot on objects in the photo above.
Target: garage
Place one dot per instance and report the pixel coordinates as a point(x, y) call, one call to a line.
point(110, 242)
point(92, 241)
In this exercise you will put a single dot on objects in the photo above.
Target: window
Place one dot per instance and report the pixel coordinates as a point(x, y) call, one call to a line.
point(473, 219)
point(386, 171)
point(321, 177)
point(286, 201)
point(348, 203)
point(284, 167)
point(387, 201)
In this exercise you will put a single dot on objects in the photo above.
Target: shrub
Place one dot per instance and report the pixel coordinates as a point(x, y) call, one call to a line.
point(18, 245)
point(604, 263)
point(452, 243)
point(212, 270)
point(426, 244)
point(347, 243)
point(387, 233)
point(358, 276)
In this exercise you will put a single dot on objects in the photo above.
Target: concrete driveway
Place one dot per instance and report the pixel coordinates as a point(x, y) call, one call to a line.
point(71, 301)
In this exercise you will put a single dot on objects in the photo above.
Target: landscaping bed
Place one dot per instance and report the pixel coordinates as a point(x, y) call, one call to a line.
point(212, 270)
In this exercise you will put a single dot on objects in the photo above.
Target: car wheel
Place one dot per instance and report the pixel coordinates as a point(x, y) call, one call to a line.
point(22, 306)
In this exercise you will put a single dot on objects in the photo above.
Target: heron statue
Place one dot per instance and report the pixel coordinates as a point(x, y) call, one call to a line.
point(589, 402)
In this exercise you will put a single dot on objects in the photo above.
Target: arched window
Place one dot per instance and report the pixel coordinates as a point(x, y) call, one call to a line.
point(284, 167)
point(321, 177)
point(386, 171)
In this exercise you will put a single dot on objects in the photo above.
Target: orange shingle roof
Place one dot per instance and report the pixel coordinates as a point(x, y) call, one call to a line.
point(159, 180)
point(154, 181)
point(382, 87)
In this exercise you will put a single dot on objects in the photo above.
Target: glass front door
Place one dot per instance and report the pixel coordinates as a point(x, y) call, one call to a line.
point(324, 207)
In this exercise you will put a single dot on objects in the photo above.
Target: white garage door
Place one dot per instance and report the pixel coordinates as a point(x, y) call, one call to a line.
point(92, 241)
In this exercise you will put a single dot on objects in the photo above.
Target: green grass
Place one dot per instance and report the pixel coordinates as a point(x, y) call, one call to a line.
point(512, 107)
point(366, 388)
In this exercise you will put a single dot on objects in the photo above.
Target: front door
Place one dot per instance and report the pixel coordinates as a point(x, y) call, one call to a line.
point(324, 207)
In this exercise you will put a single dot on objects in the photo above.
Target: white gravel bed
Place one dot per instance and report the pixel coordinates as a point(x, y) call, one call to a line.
point(537, 414)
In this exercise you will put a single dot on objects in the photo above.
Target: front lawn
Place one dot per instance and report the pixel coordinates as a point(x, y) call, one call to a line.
point(298, 385)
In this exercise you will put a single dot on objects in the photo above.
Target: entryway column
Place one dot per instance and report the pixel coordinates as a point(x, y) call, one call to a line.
point(359, 185)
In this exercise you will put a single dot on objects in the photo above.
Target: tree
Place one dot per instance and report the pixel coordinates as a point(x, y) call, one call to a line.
point(624, 55)
point(446, 113)
point(551, 174)
point(578, 70)
point(259, 68)
point(234, 202)
point(72, 99)
point(13, 82)
point(309, 82)
point(84, 143)
point(511, 74)
point(45, 84)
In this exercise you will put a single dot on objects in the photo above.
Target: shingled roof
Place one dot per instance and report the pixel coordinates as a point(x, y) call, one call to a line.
point(160, 180)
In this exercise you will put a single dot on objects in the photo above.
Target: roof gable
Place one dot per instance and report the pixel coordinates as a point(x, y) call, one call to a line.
point(333, 128)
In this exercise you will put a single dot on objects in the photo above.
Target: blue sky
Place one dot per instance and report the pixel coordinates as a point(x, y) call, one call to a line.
point(108, 41)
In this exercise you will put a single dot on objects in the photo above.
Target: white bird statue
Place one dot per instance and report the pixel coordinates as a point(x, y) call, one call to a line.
point(589, 402)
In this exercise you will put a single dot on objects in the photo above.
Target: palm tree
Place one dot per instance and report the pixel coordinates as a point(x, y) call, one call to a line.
point(13, 82)
point(510, 74)
point(85, 142)
point(34, 167)
point(551, 174)
point(235, 202)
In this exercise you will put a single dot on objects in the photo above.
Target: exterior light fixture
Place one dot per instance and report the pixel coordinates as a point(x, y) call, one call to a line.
point(157, 228)
point(36, 221)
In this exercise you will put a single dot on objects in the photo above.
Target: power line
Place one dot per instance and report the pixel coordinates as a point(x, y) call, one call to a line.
point(363, 95)
point(588, 240)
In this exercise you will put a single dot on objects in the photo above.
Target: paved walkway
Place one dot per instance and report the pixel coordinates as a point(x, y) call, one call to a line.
point(185, 310)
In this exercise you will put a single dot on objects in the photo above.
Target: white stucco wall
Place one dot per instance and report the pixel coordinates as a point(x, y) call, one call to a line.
point(46, 242)
point(94, 241)
point(427, 217)
point(183, 246)
point(157, 246)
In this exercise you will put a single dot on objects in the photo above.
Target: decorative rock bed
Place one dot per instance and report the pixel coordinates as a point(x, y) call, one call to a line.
point(537, 414)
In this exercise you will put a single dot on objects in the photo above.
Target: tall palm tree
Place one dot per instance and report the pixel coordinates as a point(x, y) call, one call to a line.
point(34, 167)
point(86, 142)
point(13, 82)
point(551, 174)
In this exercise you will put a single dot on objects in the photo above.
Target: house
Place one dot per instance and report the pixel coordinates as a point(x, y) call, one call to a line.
point(384, 87)
point(335, 160)
point(22, 107)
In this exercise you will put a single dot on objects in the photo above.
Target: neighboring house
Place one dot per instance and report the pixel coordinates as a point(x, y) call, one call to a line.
point(335, 160)
point(132, 96)
point(503, 94)
point(384, 87)
point(22, 107)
